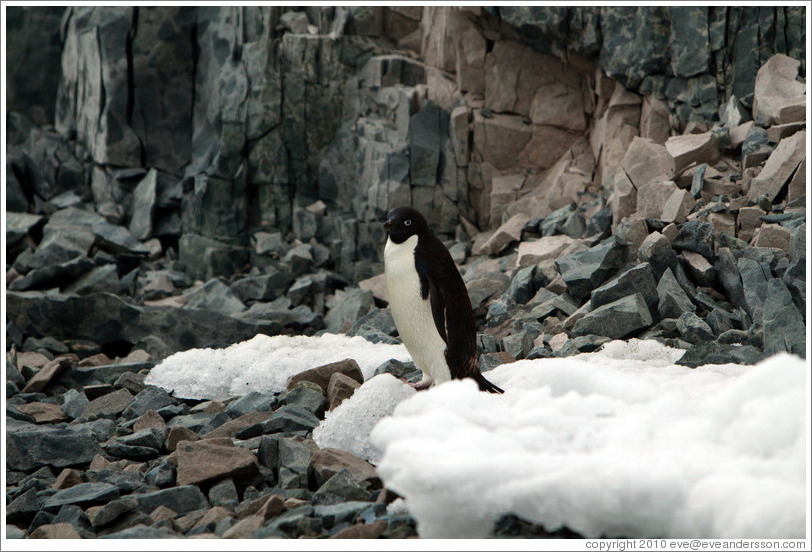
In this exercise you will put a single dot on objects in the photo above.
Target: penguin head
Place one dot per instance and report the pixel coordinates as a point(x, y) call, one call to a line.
point(404, 222)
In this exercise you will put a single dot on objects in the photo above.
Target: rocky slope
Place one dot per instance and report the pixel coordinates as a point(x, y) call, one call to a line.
point(213, 173)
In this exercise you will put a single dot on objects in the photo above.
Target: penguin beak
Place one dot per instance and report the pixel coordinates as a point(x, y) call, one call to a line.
point(387, 224)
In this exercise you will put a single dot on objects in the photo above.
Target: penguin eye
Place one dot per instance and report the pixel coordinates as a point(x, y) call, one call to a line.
point(407, 222)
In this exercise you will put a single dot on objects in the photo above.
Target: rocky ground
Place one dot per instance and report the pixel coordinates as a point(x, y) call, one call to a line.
point(685, 230)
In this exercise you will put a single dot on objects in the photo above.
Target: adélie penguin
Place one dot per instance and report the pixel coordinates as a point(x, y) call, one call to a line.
point(429, 302)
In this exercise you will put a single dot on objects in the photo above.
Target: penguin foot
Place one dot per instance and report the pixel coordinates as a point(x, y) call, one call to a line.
point(421, 385)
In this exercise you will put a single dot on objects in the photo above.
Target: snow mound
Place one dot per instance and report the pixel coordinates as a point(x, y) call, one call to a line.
point(620, 442)
point(263, 364)
point(347, 427)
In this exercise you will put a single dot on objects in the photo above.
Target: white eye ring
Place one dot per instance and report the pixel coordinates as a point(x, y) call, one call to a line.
point(407, 222)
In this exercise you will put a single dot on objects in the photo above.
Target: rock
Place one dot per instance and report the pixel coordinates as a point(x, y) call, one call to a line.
point(775, 84)
point(638, 279)
point(47, 374)
point(774, 236)
point(696, 236)
point(23, 508)
point(322, 374)
point(711, 352)
point(44, 413)
point(673, 300)
point(151, 398)
point(55, 531)
point(340, 387)
point(140, 531)
point(652, 197)
point(109, 405)
point(149, 419)
point(699, 269)
point(403, 370)
point(309, 399)
point(754, 279)
point(692, 148)
point(507, 233)
point(779, 168)
point(111, 511)
point(181, 499)
point(616, 320)
point(347, 309)
point(289, 418)
point(341, 487)
point(693, 329)
point(68, 478)
point(792, 110)
point(202, 462)
point(586, 270)
point(143, 444)
point(784, 327)
point(328, 462)
point(252, 402)
point(213, 295)
point(178, 434)
point(677, 207)
point(548, 247)
point(60, 448)
point(646, 160)
point(84, 494)
point(162, 474)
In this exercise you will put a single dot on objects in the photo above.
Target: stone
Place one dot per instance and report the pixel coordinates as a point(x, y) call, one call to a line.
point(340, 387)
point(252, 402)
point(673, 301)
point(616, 320)
point(48, 373)
point(313, 401)
point(711, 352)
point(111, 511)
point(586, 270)
point(544, 248)
point(180, 499)
point(348, 307)
point(322, 374)
point(149, 419)
point(677, 207)
point(696, 236)
point(775, 84)
point(646, 160)
point(652, 197)
point(244, 528)
point(141, 531)
point(784, 326)
point(754, 278)
point(151, 398)
point(328, 462)
point(654, 120)
point(693, 329)
point(23, 508)
point(202, 462)
point(289, 418)
point(341, 487)
point(83, 494)
point(55, 531)
point(792, 110)
point(213, 295)
point(60, 448)
point(699, 269)
point(507, 233)
point(403, 370)
point(68, 478)
point(779, 168)
point(638, 279)
point(141, 444)
point(264, 287)
point(688, 149)
point(178, 434)
point(44, 413)
point(162, 474)
point(224, 493)
point(774, 236)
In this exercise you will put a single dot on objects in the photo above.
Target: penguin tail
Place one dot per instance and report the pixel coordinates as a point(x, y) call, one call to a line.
point(485, 385)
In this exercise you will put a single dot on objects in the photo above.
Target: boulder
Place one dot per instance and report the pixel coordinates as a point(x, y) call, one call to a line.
point(673, 301)
point(784, 326)
point(646, 160)
point(506, 234)
point(696, 236)
point(692, 148)
point(616, 320)
point(775, 84)
point(778, 169)
point(584, 271)
point(638, 279)
point(201, 462)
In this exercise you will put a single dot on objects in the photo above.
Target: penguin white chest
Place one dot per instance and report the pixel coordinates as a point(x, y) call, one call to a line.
point(412, 313)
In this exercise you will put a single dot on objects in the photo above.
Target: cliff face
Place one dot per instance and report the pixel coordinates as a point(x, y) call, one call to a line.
point(215, 123)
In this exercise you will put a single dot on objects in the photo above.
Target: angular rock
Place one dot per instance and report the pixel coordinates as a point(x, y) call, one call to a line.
point(112, 511)
point(44, 413)
point(290, 418)
point(754, 278)
point(693, 329)
point(224, 493)
point(328, 462)
point(252, 402)
point(784, 326)
point(638, 279)
point(341, 487)
point(616, 320)
point(322, 374)
point(548, 247)
point(340, 387)
point(265, 287)
point(699, 269)
point(586, 270)
point(775, 84)
point(696, 236)
point(60, 448)
point(23, 508)
point(711, 352)
point(213, 295)
point(349, 307)
point(779, 168)
point(47, 374)
point(652, 197)
point(677, 207)
point(203, 462)
point(646, 160)
point(507, 233)
point(84, 494)
point(673, 301)
point(55, 531)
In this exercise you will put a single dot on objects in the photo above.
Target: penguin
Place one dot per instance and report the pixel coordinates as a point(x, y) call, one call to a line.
point(429, 302)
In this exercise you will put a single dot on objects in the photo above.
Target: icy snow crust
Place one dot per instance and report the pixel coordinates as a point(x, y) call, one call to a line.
point(620, 442)
point(263, 364)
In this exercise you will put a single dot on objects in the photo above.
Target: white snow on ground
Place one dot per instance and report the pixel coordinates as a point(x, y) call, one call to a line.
point(617, 442)
point(263, 364)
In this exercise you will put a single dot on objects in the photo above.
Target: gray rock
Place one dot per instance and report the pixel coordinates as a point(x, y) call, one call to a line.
point(55, 275)
point(308, 399)
point(194, 422)
point(657, 251)
point(151, 398)
point(428, 128)
point(213, 423)
point(162, 474)
point(145, 197)
point(294, 458)
point(349, 307)
point(340, 488)
point(711, 352)
point(784, 327)
point(638, 279)
point(141, 531)
point(293, 523)
point(213, 295)
point(289, 418)
point(404, 370)
point(693, 329)
point(754, 278)
point(521, 288)
point(378, 319)
point(719, 321)
point(60, 448)
point(224, 493)
point(182, 500)
point(83, 494)
point(23, 508)
point(581, 344)
point(696, 236)
point(616, 320)
point(252, 402)
point(74, 402)
point(265, 287)
point(113, 510)
point(336, 514)
point(300, 260)
point(100, 279)
point(519, 344)
point(726, 267)
point(673, 301)
point(586, 270)
point(140, 445)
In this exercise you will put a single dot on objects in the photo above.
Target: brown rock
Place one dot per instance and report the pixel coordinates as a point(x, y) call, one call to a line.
point(377, 285)
point(231, 427)
point(747, 221)
point(470, 57)
point(327, 462)
point(692, 148)
point(775, 84)
point(99, 359)
point(150, 418)
point(321, 375)
point(185, 522)
point(547, 247)
point(440, 25)
point(512, 76)
point(678, 207)
point(654, 120)
point(363, 531)
point(614, 131)
point(32, 359)
point(777, 132)
point(739, 133)
point(244, 528)
point(501, 139)
point(136, 355)
point(792, 110)
point(340, 387)
point(162, 512)
point(652, 197)
point(293, 502)
point(797, 185)
point(178, 434)
point(507, 233)
point(108, 406)
point(775, 236)
point(559, 103)
point(272, 507)
point(48, 373)
point(722, 222)
point(211, 516)
point(645, 160)
point(67, 478)
point(203, 462)
point(779, 167)
point(546, 146)
point(97, 390)
point(504, 190)
point(55, 531)
point(44, 413)
point(623, 199)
